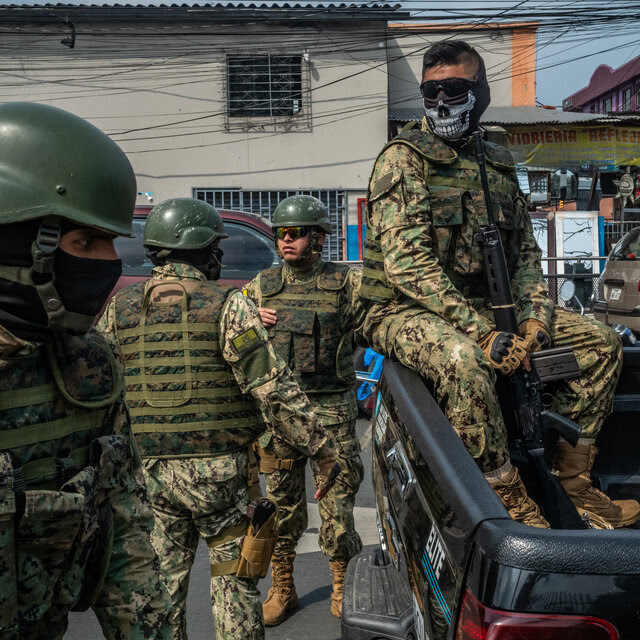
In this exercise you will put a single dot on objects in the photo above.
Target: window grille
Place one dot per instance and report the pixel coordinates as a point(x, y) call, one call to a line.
point(264, 204)
point(627, 100)
point(267, 89)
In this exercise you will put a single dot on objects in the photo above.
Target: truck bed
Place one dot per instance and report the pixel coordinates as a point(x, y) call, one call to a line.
point(444, 532)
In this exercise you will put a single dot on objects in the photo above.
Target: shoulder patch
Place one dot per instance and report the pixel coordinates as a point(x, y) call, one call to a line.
point(382, 185)
point(246, 342)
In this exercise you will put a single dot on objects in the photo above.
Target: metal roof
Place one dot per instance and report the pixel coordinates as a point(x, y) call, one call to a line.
point(515, 116)
point(197, 11)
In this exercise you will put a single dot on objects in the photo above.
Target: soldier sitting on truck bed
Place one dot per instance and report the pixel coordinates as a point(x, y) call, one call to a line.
point(424, 282)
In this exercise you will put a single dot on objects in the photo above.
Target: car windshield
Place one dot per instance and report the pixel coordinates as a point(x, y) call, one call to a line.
point(629, 247)
point(246, 252)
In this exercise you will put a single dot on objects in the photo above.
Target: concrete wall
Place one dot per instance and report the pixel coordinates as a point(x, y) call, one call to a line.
point(160, 93)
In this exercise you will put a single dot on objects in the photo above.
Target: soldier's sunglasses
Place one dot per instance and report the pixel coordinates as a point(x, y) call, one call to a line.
point(294, 232)
point(452, 88)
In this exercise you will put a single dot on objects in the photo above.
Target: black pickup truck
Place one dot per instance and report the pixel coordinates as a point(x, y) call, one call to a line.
point(453, 565)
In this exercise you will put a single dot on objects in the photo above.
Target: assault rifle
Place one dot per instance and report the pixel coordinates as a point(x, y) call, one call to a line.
point(532, 427)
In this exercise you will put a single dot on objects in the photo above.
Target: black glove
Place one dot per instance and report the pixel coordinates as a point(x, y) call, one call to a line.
point(504, 351)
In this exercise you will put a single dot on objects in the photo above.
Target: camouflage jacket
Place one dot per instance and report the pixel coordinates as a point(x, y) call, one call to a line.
point(68, 466)
point(425, 203)
point(243, 342)
point(317, 308)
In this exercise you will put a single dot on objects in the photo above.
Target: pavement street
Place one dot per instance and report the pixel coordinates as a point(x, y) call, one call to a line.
point(312, 576)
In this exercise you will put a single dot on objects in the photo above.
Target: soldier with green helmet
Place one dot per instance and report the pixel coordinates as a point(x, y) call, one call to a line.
point(75, 523)
point(310, 308)
point(201, 379)
point(425, 287)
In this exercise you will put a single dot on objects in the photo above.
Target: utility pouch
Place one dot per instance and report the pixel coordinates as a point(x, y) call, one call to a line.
point(111, 460)
point(96, 536)
point(260, 540)
point(51, 519)
point(8, 578)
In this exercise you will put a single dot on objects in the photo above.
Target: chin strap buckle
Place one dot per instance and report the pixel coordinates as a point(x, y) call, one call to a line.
point(45, 244)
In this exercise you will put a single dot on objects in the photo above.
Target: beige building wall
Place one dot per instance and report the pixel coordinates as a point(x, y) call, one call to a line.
point(160, 92)
point(508, 52)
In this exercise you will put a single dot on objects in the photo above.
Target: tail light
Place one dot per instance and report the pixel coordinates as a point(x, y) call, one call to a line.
point(478, 622)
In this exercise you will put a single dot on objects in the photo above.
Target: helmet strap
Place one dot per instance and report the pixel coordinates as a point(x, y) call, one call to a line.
point(40, 277)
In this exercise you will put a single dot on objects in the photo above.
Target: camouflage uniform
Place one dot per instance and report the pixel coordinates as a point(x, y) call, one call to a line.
point(425, 285)
point(76, 520)
point(194, 424)
point(317, 307)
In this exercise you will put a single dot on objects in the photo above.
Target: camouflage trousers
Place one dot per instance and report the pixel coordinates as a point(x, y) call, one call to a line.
point(463, 382)
point(338, 537)
point(196, 498)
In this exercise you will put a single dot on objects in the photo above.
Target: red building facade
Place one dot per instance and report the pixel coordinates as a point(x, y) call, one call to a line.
point(609, 90)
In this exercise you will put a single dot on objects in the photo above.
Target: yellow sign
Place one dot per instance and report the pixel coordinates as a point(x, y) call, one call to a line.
point(575, 147)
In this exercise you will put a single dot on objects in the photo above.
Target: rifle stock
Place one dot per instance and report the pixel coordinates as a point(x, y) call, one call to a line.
point(530, 426)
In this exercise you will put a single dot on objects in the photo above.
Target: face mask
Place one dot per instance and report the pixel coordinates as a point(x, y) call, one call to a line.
point(21, 311)
point(208, 259)
point(212, 268)
point(453, 106)
point(84, 284)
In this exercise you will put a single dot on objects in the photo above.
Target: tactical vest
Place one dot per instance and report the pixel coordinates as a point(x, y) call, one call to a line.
point(182, 396)
point(458, 210)
point(309, 334)
point(55, 480)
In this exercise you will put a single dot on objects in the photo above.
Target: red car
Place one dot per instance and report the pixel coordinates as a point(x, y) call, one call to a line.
point(248, 249)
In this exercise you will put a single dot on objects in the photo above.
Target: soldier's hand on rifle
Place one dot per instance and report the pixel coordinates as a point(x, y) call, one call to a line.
point(504, 351)
point(325, 472)
point(536, 334)
point(268, 316)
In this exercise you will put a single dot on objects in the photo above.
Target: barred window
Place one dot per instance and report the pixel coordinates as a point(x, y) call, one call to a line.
point(267, 85)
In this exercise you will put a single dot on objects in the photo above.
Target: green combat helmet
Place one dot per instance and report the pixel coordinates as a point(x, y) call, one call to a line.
point(301, 211)
point(57, 166)
point(183, 223)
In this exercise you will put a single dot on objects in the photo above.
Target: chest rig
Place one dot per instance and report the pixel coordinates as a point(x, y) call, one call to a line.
point(59, 463)
point(457, 211)
point(182, 396)
point(309, 334)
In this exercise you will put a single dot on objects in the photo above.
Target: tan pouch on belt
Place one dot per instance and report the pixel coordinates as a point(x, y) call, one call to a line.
point(258, 545)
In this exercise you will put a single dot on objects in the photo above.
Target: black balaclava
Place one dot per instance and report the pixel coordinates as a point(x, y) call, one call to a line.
point(455, 117)
point(21, 310)
point(83, 284)
point(208, 259)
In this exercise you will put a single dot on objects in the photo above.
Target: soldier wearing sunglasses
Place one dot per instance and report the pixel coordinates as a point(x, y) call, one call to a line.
point(425, 288)
point(310, 307)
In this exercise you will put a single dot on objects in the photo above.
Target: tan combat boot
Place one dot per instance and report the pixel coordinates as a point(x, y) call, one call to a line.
point(339, 570)
point(282, 596)
point(507, 484)
point(573, 467)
